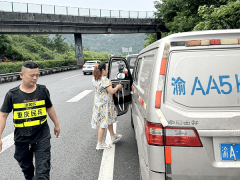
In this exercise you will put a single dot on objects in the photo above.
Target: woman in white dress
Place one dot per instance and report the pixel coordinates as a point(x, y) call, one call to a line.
point(104, 112)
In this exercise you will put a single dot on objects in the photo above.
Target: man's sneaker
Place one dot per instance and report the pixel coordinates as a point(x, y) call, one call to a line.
point(115, 138)
point(103, 145)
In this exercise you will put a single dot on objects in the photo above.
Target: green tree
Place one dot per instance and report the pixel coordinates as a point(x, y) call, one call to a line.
point(42, 47)
point(5, 45)
point(59, 44)
point(223, 17)
point(72, 47)
point(150, 38)
point(181, 15)
point(44, 40)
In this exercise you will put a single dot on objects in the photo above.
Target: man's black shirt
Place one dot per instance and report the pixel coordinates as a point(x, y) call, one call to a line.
point(16, 96)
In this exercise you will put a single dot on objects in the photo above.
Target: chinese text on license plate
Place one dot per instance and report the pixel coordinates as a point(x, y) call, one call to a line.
point(230, 152)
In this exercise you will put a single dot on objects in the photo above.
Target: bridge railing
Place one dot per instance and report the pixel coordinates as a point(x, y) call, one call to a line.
point(75, 11)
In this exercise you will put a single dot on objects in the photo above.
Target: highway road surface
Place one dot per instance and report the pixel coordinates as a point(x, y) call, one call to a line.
point(74, 156)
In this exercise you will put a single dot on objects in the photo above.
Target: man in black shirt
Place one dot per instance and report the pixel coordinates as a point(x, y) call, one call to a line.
point(30, 103)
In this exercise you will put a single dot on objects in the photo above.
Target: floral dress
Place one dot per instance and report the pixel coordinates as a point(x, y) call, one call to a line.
point(104, 112)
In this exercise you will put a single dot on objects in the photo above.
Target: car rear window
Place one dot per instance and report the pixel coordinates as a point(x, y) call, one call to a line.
point(207, 78)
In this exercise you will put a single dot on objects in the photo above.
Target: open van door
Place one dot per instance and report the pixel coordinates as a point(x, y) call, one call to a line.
point(119, 73)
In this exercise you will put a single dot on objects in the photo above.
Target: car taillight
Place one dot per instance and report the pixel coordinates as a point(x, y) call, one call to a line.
point(178, 136)
point(172, 136)
point(154, 133)
point(83, 66)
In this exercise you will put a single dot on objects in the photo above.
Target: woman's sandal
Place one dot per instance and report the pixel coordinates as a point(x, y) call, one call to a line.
point(103, 145)
point(115, 138)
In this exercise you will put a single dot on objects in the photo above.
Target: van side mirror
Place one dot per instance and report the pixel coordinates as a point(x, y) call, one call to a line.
point(121, 76)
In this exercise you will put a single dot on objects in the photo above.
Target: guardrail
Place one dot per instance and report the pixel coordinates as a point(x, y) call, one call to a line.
point(74, 11)
point(10, 77)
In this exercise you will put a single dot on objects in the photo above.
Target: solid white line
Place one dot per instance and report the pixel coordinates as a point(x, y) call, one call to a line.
point(72, 76)
point(107, 164)
point(80, 96)
point(7, 141)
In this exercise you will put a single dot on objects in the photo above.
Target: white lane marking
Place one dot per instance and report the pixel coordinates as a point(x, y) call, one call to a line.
point(72, 76)
point(80, 96)
point(7, 141)
point(107, 164)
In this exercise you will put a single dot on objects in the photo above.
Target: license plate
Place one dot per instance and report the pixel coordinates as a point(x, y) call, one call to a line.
point(89, 67)
point(230, 152)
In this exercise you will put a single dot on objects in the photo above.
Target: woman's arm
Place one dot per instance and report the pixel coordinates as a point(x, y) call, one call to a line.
point(113, 90)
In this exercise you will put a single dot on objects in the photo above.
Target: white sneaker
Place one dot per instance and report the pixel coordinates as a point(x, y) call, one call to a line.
point(115, 138)
point(103, 145)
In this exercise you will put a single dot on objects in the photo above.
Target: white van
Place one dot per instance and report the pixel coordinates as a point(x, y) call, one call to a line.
point(186, 106)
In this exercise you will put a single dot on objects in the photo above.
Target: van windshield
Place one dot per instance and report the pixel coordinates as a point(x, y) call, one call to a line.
point(203, 78)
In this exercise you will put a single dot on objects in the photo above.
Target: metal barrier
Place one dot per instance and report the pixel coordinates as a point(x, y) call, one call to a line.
point(10, 77)
point(74, 11)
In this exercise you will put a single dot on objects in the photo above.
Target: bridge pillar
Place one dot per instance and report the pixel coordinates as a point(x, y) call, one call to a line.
point(79, 49)
point(158, 35)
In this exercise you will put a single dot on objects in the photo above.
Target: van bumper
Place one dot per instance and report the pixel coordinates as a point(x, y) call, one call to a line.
point(147, 174)
point(197, 163)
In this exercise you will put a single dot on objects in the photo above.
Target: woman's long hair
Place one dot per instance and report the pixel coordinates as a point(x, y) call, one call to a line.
point(97, 72)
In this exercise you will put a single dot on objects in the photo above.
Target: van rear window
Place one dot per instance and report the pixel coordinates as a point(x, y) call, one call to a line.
point(204, 78)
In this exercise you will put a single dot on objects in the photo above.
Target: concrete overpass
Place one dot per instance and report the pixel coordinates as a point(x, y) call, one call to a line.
point(38, 23)
point(32, 23)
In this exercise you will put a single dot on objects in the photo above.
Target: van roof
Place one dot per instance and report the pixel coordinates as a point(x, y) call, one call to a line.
point(196, 35)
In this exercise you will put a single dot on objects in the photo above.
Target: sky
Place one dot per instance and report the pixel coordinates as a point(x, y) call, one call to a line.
point(129, 5)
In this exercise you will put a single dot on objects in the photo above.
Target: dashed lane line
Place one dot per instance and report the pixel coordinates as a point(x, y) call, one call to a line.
point(7, 142)
point(80, 96)
point(72, 76)
point(107, 164)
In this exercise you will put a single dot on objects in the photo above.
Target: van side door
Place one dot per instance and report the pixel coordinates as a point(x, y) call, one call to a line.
point(119, 73)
